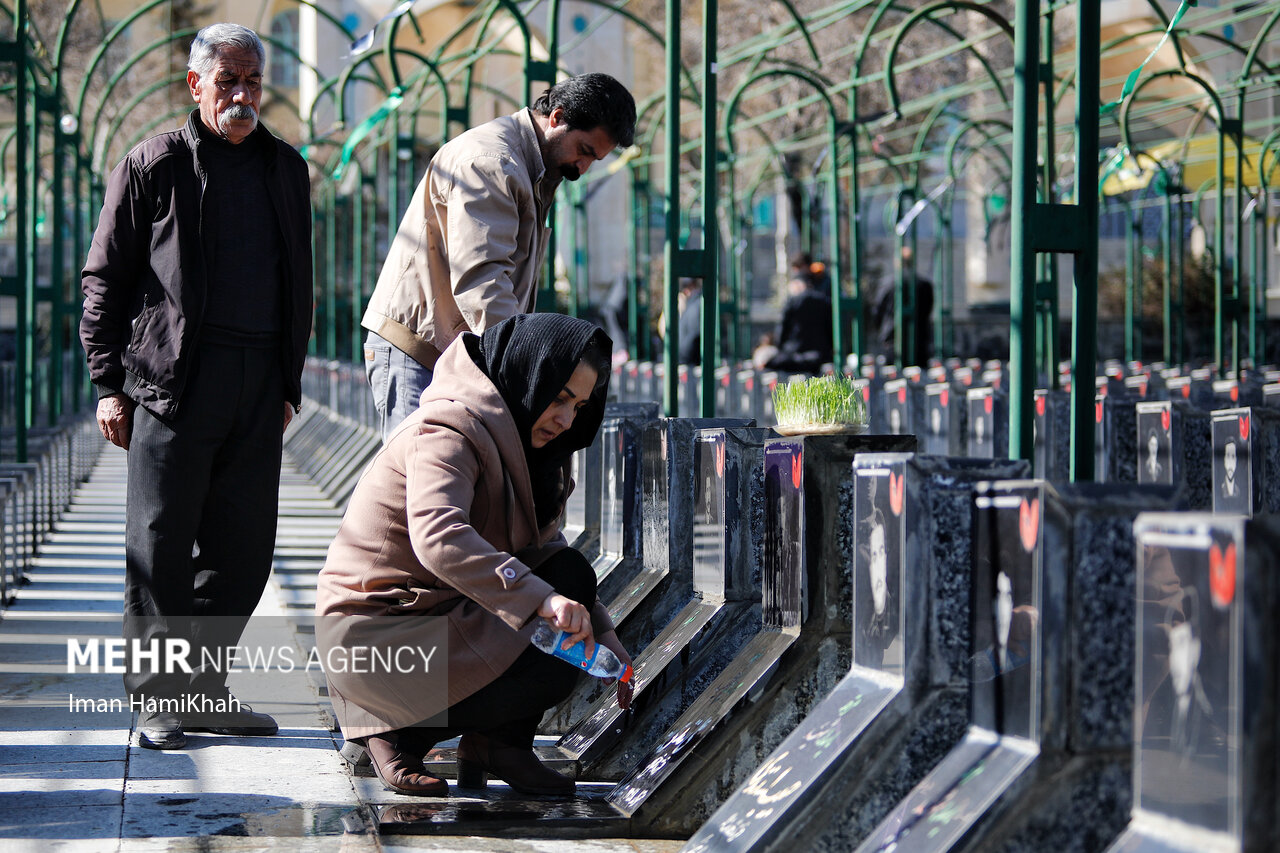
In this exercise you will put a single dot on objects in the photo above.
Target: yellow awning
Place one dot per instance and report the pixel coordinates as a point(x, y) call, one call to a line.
point(1197, 160)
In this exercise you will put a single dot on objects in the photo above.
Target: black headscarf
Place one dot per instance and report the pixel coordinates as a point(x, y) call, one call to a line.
point(529, 358)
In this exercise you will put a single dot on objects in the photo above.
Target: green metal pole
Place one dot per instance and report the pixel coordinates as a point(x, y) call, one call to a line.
point(78, 242)
point(1022, 255)
point(1258, 274)
point(857, 341)
point(57, 274)
point(671, 210)
point(357, 270)
point(1084, 343)
point(1048, 363)
point(26, 296)
point(710, 316)
point(1166, 286)
point(1224, 303)
point(639, 212)
point(946, 279)
point(577, 249)
point(331, 273)
point(1130, 346)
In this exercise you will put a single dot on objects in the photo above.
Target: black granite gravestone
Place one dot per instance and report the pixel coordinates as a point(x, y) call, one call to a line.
point(944, 427)
point(1246, 460)
point(1042, 766)
point(799, 655)
point(642, 601)
point(988, 423)
point(1175, 448)
point(903, 404)
point(1205, 727)
point(620, 527)
point(1052, 446)
point(581, 524)
point(713, 601)
point(1271, 395)
point(1115, 454)
point(749, 404)
point(904, 702)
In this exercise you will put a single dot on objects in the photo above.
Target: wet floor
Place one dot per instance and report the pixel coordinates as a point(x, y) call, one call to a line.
point(71, 781)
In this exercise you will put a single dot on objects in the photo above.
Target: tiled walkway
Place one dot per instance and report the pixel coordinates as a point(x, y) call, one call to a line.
point(69, 779)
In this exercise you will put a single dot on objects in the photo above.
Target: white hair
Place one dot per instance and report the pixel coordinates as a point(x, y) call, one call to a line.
point(213, 39)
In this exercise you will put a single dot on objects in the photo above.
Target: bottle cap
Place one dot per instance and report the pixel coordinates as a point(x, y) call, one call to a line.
point(625, 678)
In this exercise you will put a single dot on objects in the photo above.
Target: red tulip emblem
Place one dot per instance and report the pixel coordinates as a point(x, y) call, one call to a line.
point(1186, 390)
point(1029, 523)
point(1097, 412)
point(1222, 574)
point(897, 490)
point(987, 402)
point(1235, 393)
point(720, 459)
point(902, 394)
point(943, 397)
point(1244, 427)
point(1164, 419)
point(796, 468)
point(1040, 406)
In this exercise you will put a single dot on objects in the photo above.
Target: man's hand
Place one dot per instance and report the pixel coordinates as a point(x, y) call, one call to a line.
point(571, 617)
point(288, 415)
point(115, 419)
point(611, 642)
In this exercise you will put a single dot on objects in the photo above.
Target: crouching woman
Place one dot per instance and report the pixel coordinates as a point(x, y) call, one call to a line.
point(452, 535)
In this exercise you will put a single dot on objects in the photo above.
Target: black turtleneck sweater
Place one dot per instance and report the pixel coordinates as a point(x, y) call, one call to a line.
point(241, 241)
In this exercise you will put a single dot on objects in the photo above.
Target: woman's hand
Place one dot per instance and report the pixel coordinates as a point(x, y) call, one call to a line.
point(571, 617)
point(611, 642)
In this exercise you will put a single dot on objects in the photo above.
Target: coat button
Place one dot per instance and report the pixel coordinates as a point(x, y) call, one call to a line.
point(509, 573)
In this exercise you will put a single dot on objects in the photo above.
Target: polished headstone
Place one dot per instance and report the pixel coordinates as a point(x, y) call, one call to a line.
point(1175, 448)
point(708, 589)
point(1052, 446)
point(1205, 734)
point(1246, 460)
point(1115, 451)
point(903, 703)
point(903, 406)
point(1043, 766)
point(642, 601)
point(799, 655)
point(988, 409)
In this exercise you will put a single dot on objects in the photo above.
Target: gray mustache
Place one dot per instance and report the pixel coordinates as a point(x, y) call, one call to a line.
point(240, 112)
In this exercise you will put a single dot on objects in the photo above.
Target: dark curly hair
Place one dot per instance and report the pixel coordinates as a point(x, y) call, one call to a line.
point(590, 101)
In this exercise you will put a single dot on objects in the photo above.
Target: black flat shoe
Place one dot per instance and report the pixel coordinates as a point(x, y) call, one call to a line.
point(402, 771)
point(239, 719)
point(480, 756)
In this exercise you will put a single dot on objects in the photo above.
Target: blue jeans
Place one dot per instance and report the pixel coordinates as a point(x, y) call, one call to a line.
point(397, 381)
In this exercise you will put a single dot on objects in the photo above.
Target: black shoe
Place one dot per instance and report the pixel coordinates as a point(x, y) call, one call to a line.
point(480, 757)
point(239, 719)
point(161, 731)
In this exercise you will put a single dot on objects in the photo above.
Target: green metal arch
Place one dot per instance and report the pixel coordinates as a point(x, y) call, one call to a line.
point(891, 86)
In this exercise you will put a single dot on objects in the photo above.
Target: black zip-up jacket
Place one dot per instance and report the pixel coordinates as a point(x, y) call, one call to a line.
point(145, 282)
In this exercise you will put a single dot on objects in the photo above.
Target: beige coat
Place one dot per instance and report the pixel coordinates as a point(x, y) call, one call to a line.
point(441, 527)
point(471, 245)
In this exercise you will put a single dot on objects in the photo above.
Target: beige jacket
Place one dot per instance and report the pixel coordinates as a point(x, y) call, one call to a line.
point(471, 245)
point(440, 527)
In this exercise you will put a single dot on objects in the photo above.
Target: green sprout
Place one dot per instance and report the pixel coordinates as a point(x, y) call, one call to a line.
point(819, 400)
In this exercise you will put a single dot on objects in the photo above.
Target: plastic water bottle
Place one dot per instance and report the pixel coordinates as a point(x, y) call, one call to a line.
point(602, 664)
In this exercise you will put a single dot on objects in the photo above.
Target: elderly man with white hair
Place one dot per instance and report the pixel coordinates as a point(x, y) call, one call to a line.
point(196, 317)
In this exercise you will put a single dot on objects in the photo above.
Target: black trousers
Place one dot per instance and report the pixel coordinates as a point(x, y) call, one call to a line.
point(509, 708)
point(207, 481)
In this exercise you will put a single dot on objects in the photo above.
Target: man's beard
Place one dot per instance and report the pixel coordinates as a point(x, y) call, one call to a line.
point(237, 112)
